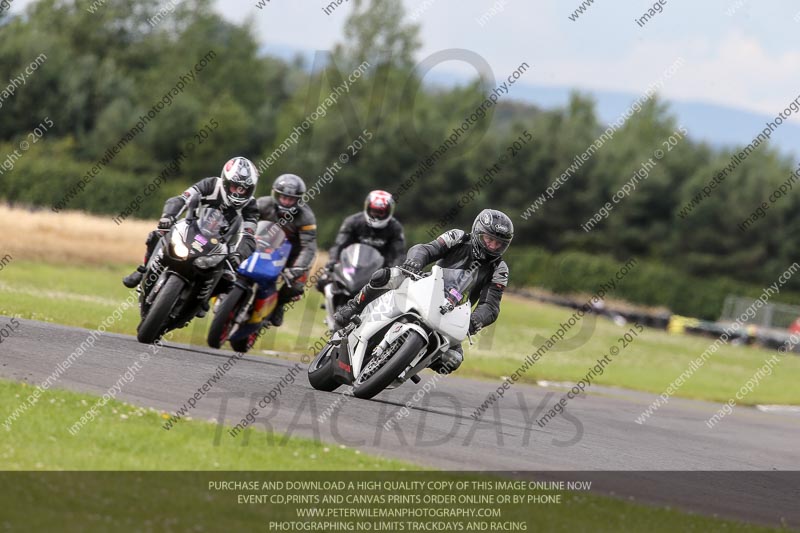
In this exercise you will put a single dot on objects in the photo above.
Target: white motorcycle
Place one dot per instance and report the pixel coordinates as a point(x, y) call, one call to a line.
point(398, 334)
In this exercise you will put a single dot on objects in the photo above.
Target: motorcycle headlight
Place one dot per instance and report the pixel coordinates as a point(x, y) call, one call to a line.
point(178, 247)
point(208, 261)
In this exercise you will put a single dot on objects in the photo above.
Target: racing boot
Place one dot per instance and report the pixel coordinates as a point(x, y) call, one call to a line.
point(378, 284)
point(345, 313)
point(449, 361)
point(288, 293)
point(353, 307)
point(204, 307)
point(276, 319)
point(134, 278)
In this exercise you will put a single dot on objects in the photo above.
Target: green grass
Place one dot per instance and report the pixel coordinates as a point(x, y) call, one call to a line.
point(651, 363)
point(85, 296)
point(126, 437)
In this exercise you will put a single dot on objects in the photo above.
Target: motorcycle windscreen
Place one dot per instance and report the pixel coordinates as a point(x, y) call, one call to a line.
point(200, 237)
point(211, 223)
point(269, 237)
point(269, 259)
point(458, 283)
point(357, 263)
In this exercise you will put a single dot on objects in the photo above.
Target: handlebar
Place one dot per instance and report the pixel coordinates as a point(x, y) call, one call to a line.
point(414, 275)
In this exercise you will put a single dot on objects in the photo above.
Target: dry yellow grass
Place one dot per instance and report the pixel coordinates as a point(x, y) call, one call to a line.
point(71, 237)
point(76, 238)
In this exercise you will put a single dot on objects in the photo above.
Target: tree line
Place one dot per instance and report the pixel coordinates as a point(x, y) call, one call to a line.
point(105, 70)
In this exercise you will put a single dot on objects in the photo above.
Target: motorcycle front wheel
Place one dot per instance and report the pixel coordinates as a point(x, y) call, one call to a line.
point(154, 324)
point(244, 345)
point(222, 323)
point(368, 386)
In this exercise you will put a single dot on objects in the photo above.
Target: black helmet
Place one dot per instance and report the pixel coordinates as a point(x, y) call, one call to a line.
point(492, 232)
point(287, 191)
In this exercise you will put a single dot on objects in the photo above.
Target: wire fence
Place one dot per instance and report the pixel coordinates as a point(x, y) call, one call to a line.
point(770, 316)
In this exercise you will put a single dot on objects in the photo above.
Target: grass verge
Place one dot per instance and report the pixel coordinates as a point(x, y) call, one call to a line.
point(126, 437)
point(84, 296)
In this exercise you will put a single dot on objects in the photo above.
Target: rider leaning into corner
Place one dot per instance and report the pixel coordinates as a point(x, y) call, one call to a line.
point(232, 193)
point(286, 208)
point(484, 246)
point(374, 226)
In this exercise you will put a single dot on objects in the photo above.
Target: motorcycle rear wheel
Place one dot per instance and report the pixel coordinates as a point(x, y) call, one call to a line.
point(320, 371)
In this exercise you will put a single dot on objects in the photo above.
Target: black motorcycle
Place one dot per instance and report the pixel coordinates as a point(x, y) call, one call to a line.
point(356, 265)
point(183, 270)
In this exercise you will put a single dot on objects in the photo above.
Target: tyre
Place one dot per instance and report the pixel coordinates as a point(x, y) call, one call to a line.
point(153, 325)
point(320, 371)
point(392, 368)
point(221, 325)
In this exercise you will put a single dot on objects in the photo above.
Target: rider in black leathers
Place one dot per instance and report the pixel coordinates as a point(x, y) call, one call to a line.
point(287, 208)
point(232, 193)
point(481, 249)
point(374, 226)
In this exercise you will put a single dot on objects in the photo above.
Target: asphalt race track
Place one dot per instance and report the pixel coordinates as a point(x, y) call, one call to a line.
point(598, 433)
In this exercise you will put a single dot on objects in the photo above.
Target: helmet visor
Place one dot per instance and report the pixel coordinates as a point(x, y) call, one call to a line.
point(379, 213)
point(286, 201)
point(493, 244)
point(238, 192)
point(237, 189)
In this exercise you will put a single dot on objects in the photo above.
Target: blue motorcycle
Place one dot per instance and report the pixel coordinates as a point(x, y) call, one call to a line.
point(239, 314)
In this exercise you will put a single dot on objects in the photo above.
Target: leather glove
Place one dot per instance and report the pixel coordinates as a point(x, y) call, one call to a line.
point(474, 325)
point(292, 274)
point(413, 266)
point(235, 260)
point(166, 222)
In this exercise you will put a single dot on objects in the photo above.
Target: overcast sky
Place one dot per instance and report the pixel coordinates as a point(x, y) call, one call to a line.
point(749, 59)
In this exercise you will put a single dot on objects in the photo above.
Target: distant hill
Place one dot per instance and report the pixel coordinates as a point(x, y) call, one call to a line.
point(718, 125)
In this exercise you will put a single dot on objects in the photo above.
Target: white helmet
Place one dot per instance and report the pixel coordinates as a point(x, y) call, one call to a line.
point(237, 182)
point(378, 209)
